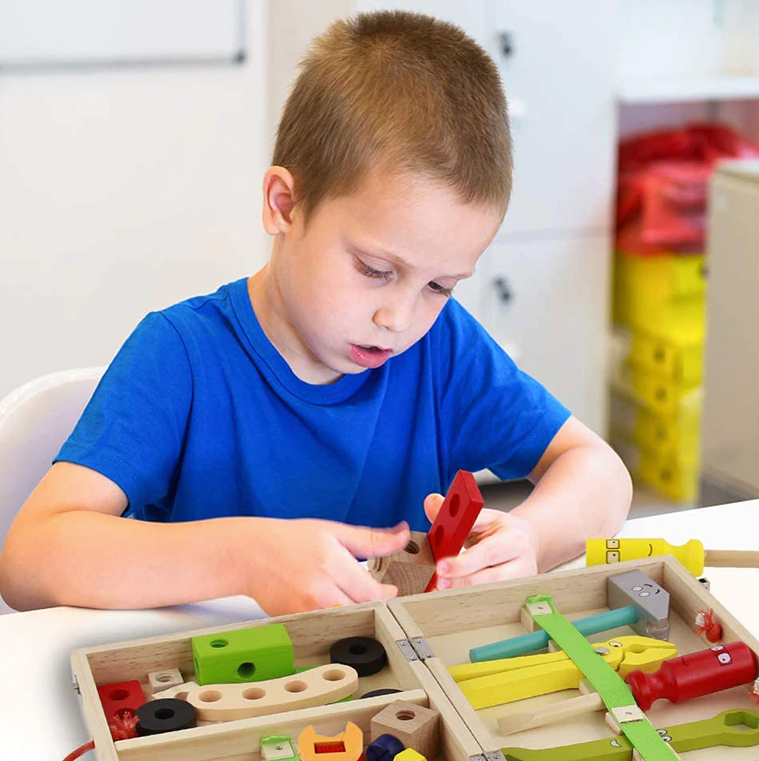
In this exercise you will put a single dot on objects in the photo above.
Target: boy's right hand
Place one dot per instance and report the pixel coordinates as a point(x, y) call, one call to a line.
point(305, 564)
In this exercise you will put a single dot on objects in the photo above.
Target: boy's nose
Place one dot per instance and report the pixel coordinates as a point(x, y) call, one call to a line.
point(395, 317)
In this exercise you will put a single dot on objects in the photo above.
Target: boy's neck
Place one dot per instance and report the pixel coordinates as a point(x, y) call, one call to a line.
point(270, 311)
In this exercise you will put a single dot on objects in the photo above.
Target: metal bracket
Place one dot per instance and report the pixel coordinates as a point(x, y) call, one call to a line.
point(495, 755)
point(407, 649)
point(477, 758)
point(706, 583)
point(75, 686)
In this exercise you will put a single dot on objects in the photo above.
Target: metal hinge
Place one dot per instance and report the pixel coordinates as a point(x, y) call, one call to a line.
point(415, 649)
point(477, 758)
point(407, 650)
point(75, 686)
point(706, 583)
point(423, 650)
point(495, 755)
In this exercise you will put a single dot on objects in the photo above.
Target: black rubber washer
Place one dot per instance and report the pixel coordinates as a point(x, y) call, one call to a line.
point(165, 715)
point(377, 693)
point(364, 654)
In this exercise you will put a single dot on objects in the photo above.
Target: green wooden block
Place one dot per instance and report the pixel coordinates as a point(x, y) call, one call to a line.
point(243, 655)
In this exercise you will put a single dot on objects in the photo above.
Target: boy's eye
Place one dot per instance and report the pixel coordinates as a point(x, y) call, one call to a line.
point(371, 272)
point(437, 288)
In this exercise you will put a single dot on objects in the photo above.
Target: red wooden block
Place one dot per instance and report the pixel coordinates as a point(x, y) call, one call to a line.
point(454, 522)
point(696, 674)
point(119, 697)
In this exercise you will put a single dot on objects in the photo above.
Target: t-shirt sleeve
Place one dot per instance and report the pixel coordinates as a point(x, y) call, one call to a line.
point(492, 414)
point(133, 428)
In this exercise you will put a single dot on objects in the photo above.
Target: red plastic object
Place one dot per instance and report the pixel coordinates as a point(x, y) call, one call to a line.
point(691, 676)
point(708, 626)
point(454, 522)
point(663, 183)
point(120, 697)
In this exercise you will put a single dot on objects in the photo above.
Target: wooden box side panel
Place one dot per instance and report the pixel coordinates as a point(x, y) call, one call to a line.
point(489, 605)
point(241, 739)
point(469, 717)
point(312, 635)
point(689, 597)
point(92, 709)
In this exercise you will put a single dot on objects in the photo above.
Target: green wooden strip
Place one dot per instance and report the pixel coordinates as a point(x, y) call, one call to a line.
point(609, 684)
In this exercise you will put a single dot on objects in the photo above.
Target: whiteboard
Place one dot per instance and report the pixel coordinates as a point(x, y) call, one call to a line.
point(92, 33)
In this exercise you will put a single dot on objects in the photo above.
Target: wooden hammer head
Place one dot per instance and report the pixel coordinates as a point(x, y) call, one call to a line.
point(650, 600)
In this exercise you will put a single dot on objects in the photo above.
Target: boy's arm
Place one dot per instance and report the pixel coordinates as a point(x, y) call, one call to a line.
point(582, 490)
point(68, 546)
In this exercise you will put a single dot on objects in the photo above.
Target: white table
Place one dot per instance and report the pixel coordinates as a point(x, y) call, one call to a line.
point(40, 717)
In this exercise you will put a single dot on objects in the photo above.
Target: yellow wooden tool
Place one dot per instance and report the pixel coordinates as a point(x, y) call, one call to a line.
point(691, 554)
point(510, 679)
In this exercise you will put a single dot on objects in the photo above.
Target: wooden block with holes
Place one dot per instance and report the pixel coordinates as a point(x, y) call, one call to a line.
point(409, 570)
point(414, 726)
point(164, 680)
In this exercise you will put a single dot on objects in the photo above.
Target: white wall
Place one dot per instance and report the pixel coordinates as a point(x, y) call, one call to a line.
point(121, 192)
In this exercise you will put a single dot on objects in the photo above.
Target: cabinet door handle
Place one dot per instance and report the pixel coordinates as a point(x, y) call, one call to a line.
point(503, 289)
point(506, 43)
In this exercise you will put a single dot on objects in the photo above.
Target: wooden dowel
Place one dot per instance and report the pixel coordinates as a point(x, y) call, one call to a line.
point(731, 558)
point(566, 709)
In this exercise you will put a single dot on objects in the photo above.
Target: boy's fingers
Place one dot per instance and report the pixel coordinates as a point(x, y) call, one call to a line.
point(432, 504)
point(359, 585)
point(365, 542)
point(514, 569)
point(484, 554)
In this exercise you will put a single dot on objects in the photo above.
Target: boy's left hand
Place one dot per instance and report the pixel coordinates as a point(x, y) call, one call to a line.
point(500, 546)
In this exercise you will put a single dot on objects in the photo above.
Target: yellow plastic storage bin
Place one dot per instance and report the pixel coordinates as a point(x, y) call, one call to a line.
point(663, 295)
point(666, 358)
point(663, 395)
point(675, 478)
point(677, 435)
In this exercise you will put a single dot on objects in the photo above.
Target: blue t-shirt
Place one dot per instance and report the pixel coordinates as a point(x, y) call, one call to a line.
point(199, 416)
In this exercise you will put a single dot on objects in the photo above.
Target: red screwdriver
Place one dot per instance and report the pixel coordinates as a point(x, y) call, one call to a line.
point(696, 674)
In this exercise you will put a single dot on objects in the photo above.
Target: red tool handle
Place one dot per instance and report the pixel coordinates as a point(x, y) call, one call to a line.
point(691, 676)
point(454, 522)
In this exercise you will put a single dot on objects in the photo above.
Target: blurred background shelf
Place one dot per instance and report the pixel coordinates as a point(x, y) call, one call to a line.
point(688, 89)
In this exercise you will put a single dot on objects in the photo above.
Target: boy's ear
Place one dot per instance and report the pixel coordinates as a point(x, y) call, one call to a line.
point(279, 200)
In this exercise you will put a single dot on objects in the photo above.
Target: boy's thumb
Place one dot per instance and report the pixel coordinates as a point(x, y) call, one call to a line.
point(366, 542)
point(432, 504)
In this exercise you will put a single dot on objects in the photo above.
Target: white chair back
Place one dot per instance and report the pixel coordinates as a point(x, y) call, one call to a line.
point(35, 420)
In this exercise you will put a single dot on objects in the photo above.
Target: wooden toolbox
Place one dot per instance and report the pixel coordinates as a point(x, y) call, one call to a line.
point(424, 635)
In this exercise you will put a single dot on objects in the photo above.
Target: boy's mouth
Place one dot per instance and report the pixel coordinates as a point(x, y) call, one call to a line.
point(369, 356)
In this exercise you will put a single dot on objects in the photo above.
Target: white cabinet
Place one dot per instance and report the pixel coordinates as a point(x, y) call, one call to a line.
point(547, 304)
point(560, 73)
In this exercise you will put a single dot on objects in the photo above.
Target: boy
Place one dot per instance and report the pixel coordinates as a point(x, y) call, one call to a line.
point(264, 435)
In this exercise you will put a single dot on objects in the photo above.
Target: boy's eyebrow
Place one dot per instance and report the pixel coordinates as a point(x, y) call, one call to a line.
point(397, 259)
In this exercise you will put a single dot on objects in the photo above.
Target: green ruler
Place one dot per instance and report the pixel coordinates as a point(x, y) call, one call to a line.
point(611, 687)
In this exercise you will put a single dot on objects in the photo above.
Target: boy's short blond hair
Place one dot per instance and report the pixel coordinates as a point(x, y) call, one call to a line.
point(403, 92)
